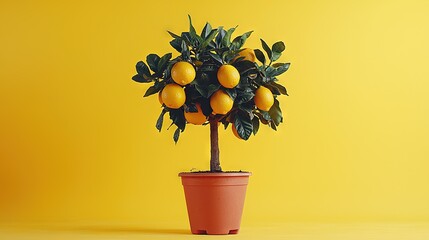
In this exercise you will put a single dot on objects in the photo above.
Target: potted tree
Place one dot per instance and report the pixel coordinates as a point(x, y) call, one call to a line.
point(213, 81)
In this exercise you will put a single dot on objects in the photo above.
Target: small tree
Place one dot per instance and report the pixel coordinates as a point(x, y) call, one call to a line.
point(215, 80)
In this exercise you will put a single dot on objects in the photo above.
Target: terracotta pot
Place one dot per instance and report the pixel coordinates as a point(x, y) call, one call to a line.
point(215, 201)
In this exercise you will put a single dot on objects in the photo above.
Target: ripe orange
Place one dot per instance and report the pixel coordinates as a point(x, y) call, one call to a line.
point(183, 73)
point(173, 96)
point(196, 118)
point(160, 97)
point(248, 54)
point(228, 76)
point(221, 102)
point(234, 130)
point(264, 98)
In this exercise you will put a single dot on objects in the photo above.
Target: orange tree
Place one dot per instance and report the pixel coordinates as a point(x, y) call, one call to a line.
point(215, 80)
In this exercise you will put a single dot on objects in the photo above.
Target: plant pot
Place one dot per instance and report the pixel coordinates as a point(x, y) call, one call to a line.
point(215, 201)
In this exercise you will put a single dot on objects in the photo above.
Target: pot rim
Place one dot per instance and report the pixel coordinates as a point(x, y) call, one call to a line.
point(214, 174)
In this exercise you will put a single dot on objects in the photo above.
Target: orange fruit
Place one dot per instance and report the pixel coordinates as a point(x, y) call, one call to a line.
point(228, 76)
point(248, 54)
point(196, 118)
point(183, 73)
point(221, 102)
point(264, 98)
point(234, 130)
point(173, 96)
point(160, 97)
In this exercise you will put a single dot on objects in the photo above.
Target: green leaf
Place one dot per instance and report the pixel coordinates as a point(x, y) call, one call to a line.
point(212, 88)
point(186, 37)
point(266, 48)
point(201, 90)
point(279, 47)
point(206, 30)
point(276, 113)
point(245, 67)
point(255, 122)
point(261, 117)
point(140, 79)
point(201, 85)
point(276, 65)
point(225, 124)
point(229, 55)
point(272, 71)
point(246, 106)
point(206, 68)
point(199, 39)
point(209, 38)
point(185, 51)
point(173, 35)
point(142, 69)
point(239, 59)
point(269, 71)
point(177, 44)
point(260, 56)
point(191, 107)
point(151, 90)
point(191, 94)
point(216, 57)
point(276, 56)
point(279, 87)
point(162, 64)
point(281, 69)
point(220, 36)
point(152, 60)
point(244, 96)
point(226, 41)
point(176, 135)
point(206, 91)
point(231, 92)
point(205, 106)
point(264, 115)
point(246, 35)
point(167, 71)
point(212, 44)
point(273, 89)
point(273, 126)
point(160, 119)
point(192, 31)
point(178, 118)
point(243, 124)
point(239, 41)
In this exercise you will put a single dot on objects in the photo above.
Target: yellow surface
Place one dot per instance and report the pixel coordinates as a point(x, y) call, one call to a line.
point(280, 231)
point(78, 141)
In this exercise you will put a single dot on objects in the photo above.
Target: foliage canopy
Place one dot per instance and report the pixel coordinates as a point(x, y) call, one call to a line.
point(207, 52)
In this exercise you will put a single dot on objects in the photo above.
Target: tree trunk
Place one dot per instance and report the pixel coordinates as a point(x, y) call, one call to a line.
point(214, 147)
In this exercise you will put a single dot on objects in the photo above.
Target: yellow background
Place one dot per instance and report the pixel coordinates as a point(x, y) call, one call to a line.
point(78, 142)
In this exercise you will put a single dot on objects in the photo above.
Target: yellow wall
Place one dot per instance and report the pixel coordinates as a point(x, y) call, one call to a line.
point(78, 142)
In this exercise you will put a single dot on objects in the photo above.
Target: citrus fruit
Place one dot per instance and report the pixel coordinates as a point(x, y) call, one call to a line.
point(173, 96)
point(248, 54)
point(234, 130)
point(183, 73)
point(228, 76)
point(196, 118)
point(160, 97)
point(221, 102)
point(264, 98)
